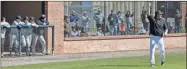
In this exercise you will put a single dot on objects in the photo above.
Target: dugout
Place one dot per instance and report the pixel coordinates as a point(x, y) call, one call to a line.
point(10, 9)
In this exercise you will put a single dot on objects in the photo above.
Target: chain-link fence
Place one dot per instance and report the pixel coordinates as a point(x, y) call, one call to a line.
point(79, 12)
point(134, 23)
point(174, 14)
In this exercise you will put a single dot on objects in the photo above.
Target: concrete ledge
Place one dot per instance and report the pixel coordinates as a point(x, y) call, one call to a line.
point(119, 37)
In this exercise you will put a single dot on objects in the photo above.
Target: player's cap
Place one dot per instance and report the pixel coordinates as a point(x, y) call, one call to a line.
point(18, 17)
point(26, 18)
point(32, 18)
point(42, 16)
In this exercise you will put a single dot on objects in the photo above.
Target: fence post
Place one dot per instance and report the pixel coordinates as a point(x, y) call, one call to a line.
point(104, 18)
point(19, 42)
point(53, 28)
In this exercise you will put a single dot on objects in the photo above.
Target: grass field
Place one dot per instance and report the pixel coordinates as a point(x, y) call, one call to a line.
point(173, 61)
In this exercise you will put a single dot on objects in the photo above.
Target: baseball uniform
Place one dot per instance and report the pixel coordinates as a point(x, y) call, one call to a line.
point(4, 25)
point(38, 35)
point(28, 36)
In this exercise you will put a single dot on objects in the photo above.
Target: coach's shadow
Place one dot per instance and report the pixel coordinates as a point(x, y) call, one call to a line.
point(123, 65)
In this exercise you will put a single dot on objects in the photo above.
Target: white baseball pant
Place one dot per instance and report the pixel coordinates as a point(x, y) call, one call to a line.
point(14, 38)
point(2, 45)
point(28, 38)
point(160, 43)
point(35, 38)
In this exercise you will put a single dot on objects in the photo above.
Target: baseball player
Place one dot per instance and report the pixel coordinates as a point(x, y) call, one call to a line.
point(22, 37)
point(4, 25)
point(158, 29)
point(28, 34)
point(38, 35)
point(14, 35)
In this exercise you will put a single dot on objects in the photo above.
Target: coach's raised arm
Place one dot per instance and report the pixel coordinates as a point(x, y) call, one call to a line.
point(158, 30)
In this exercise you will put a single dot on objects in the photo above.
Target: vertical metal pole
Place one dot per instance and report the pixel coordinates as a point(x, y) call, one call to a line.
point(43, 7)
point(156, 5)
point(67, 10)
point(104, 18)
point(19, 42)
point(0, 42)
point(165, 9)
point(186, 19)
point(134, 18)
point(53, 28)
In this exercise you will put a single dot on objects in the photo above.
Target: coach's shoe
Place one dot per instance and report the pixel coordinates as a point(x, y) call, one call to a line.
point(152, 65)
point(162, 63)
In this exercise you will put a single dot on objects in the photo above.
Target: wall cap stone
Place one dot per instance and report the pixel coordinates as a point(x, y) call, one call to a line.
point(119, 37)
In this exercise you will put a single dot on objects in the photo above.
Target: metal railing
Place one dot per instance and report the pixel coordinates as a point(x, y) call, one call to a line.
point(39, 26)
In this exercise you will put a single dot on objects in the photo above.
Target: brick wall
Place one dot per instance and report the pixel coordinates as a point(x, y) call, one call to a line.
point(183, 12)
point(117, 44)
point(55, 13)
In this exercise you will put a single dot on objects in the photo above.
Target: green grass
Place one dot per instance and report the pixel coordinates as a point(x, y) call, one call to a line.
point(173, 61)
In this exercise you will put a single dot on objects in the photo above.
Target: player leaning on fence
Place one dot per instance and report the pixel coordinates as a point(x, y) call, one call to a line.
point(28, 34)
point(34, 26)
point(38, 35)
point(14, 35)
point(158, 29)
point(4, 26)
point(22, 36)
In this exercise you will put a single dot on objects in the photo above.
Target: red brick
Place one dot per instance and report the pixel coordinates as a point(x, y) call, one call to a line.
point(183, 12)
point(119, 44)
point(56, 16)
point(55, 13)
